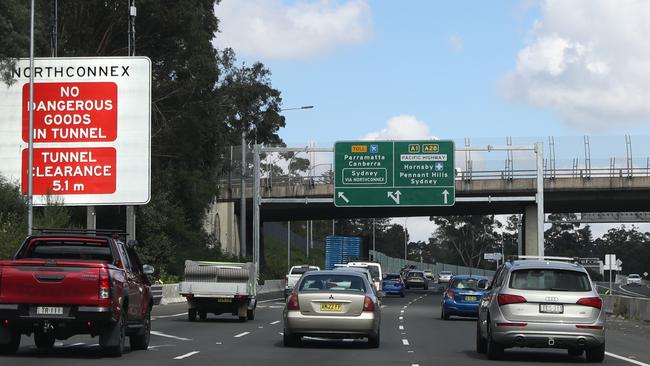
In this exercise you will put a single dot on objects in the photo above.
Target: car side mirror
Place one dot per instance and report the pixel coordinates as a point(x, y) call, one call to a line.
point(148, 269)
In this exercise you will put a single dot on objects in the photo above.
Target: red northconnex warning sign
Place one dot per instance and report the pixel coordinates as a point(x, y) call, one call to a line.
point(82, 170)
point(71, 112)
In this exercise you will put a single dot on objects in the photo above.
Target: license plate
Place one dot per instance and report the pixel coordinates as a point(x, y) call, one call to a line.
point(226, 300)
point(331, 307)
point(49, 310)
point(551, 308)
point(471, 298)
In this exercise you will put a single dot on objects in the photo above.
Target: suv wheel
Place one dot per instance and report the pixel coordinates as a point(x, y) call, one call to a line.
point(596, 354)
point(203, 315)
point(118, 349)
point(443, 314)
point(140, 340)
point(494, 350)
point(481, 343)
point(13, 345)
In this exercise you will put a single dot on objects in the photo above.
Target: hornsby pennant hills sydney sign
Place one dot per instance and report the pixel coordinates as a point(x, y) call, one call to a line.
point(91, 132)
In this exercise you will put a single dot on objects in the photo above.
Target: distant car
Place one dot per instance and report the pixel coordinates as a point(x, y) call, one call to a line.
point(444, 276)
point(542, 303)
point(428, 274)
point(416, 279)
point(364, 271)
point(294, 275)
point(375, 272)
point(633, 279)
point(332, 304)
point(393, 284)
point(463, 296)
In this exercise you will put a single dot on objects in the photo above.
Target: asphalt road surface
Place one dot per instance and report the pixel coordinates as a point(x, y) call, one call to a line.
point(411, 334)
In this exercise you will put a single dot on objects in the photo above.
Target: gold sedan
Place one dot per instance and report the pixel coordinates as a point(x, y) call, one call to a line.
point(332, 304)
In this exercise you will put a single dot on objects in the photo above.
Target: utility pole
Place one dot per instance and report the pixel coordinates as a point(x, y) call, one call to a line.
point(242, 200)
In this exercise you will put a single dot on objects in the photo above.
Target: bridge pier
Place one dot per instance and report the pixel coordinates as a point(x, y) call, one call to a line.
point(221, 221)
point(531, 243)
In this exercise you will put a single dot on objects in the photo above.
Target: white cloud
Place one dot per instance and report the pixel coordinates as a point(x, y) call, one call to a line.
point(456, 42)
point(419, 228)
point(589, 60)
point(402, 127)
point(273, 29)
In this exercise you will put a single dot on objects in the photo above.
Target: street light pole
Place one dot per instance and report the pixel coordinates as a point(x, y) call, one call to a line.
point(405, 241)
point(30, 155)
point(242, 201)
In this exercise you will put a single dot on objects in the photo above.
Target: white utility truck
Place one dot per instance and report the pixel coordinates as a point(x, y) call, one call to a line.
point(219, 288)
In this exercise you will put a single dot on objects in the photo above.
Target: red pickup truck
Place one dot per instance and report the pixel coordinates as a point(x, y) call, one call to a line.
point(62, 284)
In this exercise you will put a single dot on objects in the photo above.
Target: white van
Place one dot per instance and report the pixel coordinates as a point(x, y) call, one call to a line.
point(375, 271)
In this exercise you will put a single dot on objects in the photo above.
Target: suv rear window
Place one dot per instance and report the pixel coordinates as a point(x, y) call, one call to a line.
point(549, 280)
point(468, 283)
point(301, 270)
point(73, 249)
point(333, 282)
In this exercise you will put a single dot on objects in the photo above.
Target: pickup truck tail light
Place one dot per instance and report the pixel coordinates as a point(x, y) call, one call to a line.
point(368, 304)
point(292, 302)
point(104, 284)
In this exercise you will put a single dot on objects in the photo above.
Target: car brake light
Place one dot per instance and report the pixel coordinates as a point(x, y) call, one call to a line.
point(505, 299)
point(368, 304)
point(595, 327)
point(292, 302)
point(104, 284)
point(594, 302)
point(450, 294)
point(512, 324)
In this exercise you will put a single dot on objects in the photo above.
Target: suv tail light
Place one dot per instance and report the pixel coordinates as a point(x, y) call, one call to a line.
point(292, 302)
point(505, 299)
point(104, 284)
point(594, 302)
point(368, 304)
point(450, 294)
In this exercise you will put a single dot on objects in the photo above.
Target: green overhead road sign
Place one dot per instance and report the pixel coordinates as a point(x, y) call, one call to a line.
point(394, 173)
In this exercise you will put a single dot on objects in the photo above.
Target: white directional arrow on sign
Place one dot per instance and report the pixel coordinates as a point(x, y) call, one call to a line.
point(342, 196)
point(445, 195)
point(395, 196)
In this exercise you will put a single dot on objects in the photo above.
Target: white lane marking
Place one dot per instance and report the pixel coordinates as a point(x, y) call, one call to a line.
point(242, 334)
point(275, 322)
point(405, 306)
point(626, 359)
point(186, 355)
point(280, 333)
point(405, 342)
point(167, 316)
point(403, 333)
point(219, 343)
point(275, 307)
point(401, 318)
point(161, 334)
point(261, 302)
point(401, 312)
point(260, 327)
point(411, 351)
point(415, 364)
point(401, 327)
point(383, 306)
point(155, 348)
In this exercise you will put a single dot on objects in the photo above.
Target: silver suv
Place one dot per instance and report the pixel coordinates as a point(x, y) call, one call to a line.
point(541, 302)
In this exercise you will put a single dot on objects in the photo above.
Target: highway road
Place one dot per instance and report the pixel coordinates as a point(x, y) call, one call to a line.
point(625, 290)
point(412, 334)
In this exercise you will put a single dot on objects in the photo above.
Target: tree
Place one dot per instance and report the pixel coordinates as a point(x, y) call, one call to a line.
point(469, 237)
point(565, 238)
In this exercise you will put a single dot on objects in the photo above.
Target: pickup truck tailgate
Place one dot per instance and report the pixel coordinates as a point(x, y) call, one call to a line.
point(52, 283)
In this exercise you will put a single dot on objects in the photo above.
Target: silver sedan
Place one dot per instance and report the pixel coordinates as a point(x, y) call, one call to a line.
point(332, 304)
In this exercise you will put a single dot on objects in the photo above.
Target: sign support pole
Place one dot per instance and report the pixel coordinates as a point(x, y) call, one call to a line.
point(256, 210)
point(539, 152)
point(30, 163)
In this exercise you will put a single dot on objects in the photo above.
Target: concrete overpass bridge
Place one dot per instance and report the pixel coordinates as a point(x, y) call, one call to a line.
point(498, 191)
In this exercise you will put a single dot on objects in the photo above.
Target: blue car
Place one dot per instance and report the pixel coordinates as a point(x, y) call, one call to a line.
point(393, 284)
point(462, 296)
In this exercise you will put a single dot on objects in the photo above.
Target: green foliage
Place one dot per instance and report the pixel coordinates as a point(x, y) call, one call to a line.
point(468, 237)
point(275, 255)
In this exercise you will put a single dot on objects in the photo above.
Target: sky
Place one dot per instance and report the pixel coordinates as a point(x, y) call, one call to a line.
point(481, 70)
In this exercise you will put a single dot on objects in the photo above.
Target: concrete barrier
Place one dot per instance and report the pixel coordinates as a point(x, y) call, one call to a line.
point(628, 307)
point(168, 294)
